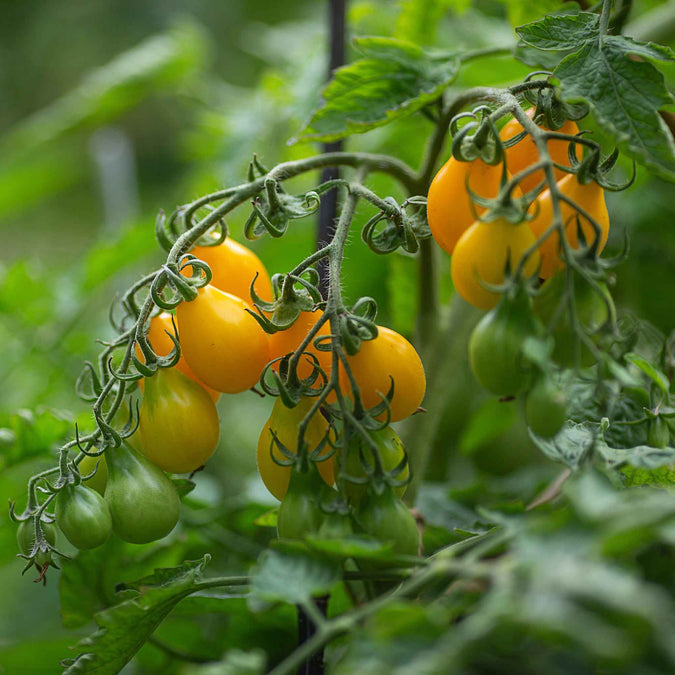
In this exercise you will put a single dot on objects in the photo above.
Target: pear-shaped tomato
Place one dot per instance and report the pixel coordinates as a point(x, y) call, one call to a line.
point(284, 422)
point(300, 511)
point(178, 422)
point(25, 537)
point(545, 408)
point(222, 343)
point(143, 502)
point(83, 516)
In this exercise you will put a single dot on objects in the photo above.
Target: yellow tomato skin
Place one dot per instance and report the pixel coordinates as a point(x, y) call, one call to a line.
point(234, 267)
point(389, 355)
point(284, 422)
point(286, 341)
point(222, 343)
point(481, 254)
point(591, 198)
point(163, 344)
point(179, 424)
point(450, 211)
point(525, 153)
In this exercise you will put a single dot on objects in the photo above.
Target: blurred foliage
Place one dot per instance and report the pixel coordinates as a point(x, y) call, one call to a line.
point(188, 93)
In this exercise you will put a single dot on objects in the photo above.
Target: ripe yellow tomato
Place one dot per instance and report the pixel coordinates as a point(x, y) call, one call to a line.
point(287, 341)
point(481, 255)
point(163, 344)
point(234, 267)
point(525, 153)
point(450, 210)
point(222, 343)
point(284, 422)
point(389, 355)
point(591, 198)
point(178, 422)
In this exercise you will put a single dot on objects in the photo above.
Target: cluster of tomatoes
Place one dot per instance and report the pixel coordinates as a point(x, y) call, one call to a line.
point(485, 250)
point(224, 349)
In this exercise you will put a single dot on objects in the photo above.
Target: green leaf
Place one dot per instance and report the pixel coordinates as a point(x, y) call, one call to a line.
point(284, 577)
point(395, 79)
point(418, 20)
point(651, 371)
point(559, 33)
point(625, 96)
point(124, 628)
point(570, 445)
point(662, 477)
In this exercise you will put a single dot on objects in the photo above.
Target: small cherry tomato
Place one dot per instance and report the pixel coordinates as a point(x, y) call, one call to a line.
point(144, 504)
point(222, 343)
point(389, 356)
point(178, 422)
point(284, 422)
point(525, 153)
point(658, 432)
point(300, 512)
point(450, 211)
point(591, 198)
point(234, 267)
point(162, 344)
point(481, 255)
point(390, 451)
point(286, 341)
point(545, 408)
point(25, 536)
point(83, 516)
point(495, 346)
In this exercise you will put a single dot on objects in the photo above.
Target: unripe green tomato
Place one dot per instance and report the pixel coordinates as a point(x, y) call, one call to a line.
point(336, 526)
point(591, 311)
point(144, 504)
point(300, 513)
point(545, 408)
point(25, 537)
point(98, 480)
point(495, 346)
point(658, 433)
point(388, 519)
point(83, 516)
point(391, 452)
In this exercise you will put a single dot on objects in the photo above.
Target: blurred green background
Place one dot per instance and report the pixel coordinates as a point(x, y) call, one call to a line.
point(111, 111)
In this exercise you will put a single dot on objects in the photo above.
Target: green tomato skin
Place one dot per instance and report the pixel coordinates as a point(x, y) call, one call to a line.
point(83, 516)
point(388, 519)
point(591, 311)
point(658, 433)
point(495, 346)
point(390, 449)
point(336, 526)
point(98, 480)
point(545, 408)
point(25, 539)
point(144, 504)
point(300, 513)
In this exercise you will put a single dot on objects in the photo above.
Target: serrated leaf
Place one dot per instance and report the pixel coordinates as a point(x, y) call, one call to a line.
point(559, 33)
point(570, 445)
point(124, 628)
point(625, 95)
point(283, 577)
point(651, 371)
point(395, 79)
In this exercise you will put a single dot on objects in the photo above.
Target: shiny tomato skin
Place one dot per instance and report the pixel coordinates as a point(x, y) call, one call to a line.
point(286, 341)
point(83, 516)
point(144, 504)
point(591, 198)
point(178, 426)
point(284, 422)
point(222, 343)
point(388, 356)
point(98, 480)
point(25, 536)
point(234, 267)
point(450, 211)
point(163, 344)
point(525, 153)
point(481, 255)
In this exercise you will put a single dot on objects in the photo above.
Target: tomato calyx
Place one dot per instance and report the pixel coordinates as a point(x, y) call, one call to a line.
point(478, 138)
point(402, 230)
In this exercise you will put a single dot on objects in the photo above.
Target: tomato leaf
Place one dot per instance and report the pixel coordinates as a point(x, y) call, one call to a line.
point(290, 578)
point(124, 628)
point(559, 33)
point(625, 94)
point(653, 373)
point(395, 79)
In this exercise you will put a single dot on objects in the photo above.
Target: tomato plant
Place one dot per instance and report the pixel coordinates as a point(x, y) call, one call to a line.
point(178, 422)
point(83, 516)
